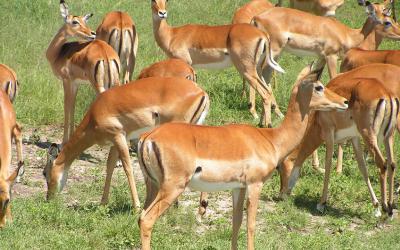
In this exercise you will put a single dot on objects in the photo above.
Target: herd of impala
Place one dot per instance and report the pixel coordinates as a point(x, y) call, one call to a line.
point(165, 108)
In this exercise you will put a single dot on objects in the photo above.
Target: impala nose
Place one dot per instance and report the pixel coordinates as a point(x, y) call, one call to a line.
point(162, 14)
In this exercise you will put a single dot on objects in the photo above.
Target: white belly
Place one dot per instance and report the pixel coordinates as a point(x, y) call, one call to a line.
point(137, 133)
point(197, 184)
point(347, 133)
point(225, 63)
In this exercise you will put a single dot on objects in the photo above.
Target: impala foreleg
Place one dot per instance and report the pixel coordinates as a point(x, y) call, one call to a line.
point(254, 191)
point(70, 92)
point(331, 61)
point(328, 165)
point(339, 163)
point(238, 196)
point(121, 144)
point(111, 161)
point(17, 134)
point(364, 172)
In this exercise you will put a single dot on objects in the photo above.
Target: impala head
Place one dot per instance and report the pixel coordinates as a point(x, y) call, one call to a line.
point(389, 29)
point(54, 172)
point(76, 26)
point(5, 195)
point(377, 11)
point(159, 8)
point(314, 96)
point(329, 7)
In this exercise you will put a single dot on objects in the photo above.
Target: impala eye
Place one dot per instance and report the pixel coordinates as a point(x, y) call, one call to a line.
point(387, 24)
point(74, 22)
point(319, 88)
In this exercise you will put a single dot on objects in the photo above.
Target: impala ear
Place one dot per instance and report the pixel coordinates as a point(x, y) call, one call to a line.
point(387, 12)
point(64, 10)
point(87, 16)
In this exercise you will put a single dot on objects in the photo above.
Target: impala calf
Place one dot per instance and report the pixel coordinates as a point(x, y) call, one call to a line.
point(9, 129)
point(94, 61)
point(121, 114)
point(170, 68)
point(119, 30)
point(372, 115)
point(8, 81)
point(232, 157)
point(218, 47)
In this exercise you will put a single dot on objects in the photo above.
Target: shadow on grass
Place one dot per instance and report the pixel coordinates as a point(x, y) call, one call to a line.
point(308, 203)
point(111, 209)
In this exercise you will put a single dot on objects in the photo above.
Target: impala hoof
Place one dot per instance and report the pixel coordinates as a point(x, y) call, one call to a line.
point(378, 213)
point(321, 207)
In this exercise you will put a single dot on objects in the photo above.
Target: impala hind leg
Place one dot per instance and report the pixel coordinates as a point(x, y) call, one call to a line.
point(339, 163)
point(391, 165)
point(113, 157)
point(121, 144)
point(364, 172)
point(203, 204)
point(238, 196)
point(165, 197)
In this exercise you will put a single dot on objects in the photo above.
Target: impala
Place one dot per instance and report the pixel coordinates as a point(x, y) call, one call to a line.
point(317, 7)
point(232, 157)
point(217, 47)
point(119, 30)
point(373, 115)
point(172, 67)
point(94, 61)
point(121, 114)
point(9, 129)
point(298, 34)
point(8, 81)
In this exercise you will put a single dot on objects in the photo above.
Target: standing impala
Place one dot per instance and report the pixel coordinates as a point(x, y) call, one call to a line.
point(93, 61)
point(218, 47)
point(297, 33)
point(121, 114)
point(372, 114)
point(233, 157)
point(9, 129)
point(387, 76)
point(8, 81)
point(119, 30)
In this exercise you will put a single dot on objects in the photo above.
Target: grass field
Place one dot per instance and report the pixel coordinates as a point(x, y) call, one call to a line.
point(76, 221)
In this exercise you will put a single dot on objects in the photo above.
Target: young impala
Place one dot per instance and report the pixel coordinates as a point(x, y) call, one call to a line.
point(8, 81)
point(172, 67)
point(119, 30)
point(9, 129)
point(233, 157)
point(93, 61)
point(121, 114)
point(373, 114)
point(218, 47)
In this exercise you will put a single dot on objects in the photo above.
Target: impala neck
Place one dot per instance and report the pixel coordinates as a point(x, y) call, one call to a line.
point(162, 32)
point(56, 44)
point(290, 133)
point(361, 35)
point(80, 140)
point(371, 42)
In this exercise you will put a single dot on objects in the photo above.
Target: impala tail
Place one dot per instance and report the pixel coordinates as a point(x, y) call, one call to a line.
point(149, 158)
point(106, 73)
point(201, 110)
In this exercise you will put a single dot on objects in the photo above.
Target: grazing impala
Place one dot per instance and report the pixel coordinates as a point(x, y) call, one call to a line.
point(233, 157)
point(298, 34)
point(217, 47)
point(9, 129)
point(119, 30)
point(378, 123)
point(172, 67)
point(94, 61)
point(8, 81)
point(122, 114)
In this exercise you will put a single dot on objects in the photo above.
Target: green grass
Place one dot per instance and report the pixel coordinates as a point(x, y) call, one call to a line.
point(27, 28)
